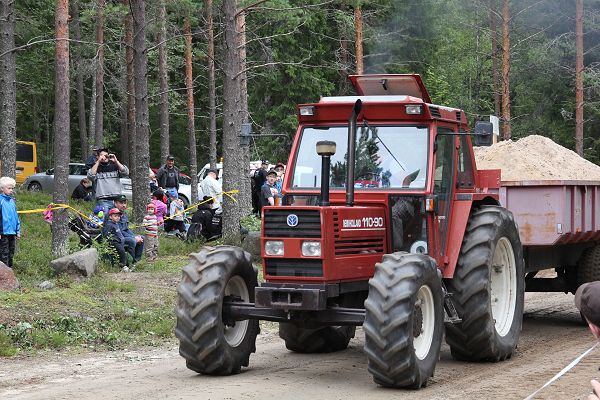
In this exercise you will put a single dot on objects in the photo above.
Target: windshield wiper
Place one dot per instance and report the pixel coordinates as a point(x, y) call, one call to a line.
point(376, 136)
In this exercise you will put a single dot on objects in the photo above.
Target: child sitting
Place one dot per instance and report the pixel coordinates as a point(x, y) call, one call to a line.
point(96, 218)
point(112, 232)
point(150, 225)
point(176, 213)
point(160, 209)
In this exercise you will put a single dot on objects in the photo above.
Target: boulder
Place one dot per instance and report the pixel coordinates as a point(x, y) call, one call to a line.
point(46, 285)
point(251, 244)
point(8, 280)
point(84, 263)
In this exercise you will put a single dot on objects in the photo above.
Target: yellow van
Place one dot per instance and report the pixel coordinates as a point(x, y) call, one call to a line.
point(26, 160)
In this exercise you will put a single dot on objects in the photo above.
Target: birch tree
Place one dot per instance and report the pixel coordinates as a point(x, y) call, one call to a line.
point(8, 89)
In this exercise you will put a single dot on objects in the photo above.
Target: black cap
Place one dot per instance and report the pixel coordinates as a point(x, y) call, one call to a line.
point(121, 198)
point(587, 300)
point(265, 162)
point(101, 149)
point(271, 172)
point(214, 171)
point(169, 157)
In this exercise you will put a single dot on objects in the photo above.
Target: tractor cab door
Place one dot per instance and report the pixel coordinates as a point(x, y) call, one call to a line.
point(442, 190)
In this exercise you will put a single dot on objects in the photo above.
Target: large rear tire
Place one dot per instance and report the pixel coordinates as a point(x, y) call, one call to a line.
point(588, 266)
point(209, 344)
point(404, 320)
point(320, 340)
point(488, 288)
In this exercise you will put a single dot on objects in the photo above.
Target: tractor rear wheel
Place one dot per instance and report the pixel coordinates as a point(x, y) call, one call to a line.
point(588, 265)
point(487, 288)
point(319, 340)
point(404, 321)
point(209, 341)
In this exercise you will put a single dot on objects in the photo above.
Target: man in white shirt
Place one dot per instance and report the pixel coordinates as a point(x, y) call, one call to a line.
point(212, 187)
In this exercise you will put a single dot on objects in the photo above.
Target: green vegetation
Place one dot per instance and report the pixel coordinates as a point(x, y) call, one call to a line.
point(111, 310)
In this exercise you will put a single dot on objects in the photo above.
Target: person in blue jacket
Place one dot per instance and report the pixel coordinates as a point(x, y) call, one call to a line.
point(10, 226)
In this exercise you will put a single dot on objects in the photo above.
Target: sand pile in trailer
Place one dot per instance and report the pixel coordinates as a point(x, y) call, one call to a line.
point(535, 158)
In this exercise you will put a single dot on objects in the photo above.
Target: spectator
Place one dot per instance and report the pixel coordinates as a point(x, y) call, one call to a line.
point(176, 214)
point(279, 168)
point(160, 206)
point(152, 182)
point(96, 219)
point(150, 224)
point(211, 187)
point(83, 191)
point(168, 175)
point(269, 191)
point(133, 243)
point(107, 173)
point(10, 225)
point(112, 232)
point(204, 221)
point(91, 160)
point(587, 300)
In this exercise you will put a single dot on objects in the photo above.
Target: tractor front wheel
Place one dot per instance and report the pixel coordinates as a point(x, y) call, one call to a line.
point(404, 321)
point(487, 288)
point(319, 340)
point(210, 342)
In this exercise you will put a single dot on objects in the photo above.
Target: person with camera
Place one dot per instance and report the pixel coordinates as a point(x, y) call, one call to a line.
point(106, 173)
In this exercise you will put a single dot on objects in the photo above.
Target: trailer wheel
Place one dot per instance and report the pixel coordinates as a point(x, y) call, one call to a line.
point(210, 343)
point(488, 288)
point(588, 266)
point(404, 320)
point(320, 340)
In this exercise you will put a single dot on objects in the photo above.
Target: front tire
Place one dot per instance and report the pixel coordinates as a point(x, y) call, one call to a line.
point(210, 343)
point(404, 320)
point(34, 187)
point(488, 288)
point(320, 340)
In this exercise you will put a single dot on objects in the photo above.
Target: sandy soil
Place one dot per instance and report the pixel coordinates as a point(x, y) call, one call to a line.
point(552, 337)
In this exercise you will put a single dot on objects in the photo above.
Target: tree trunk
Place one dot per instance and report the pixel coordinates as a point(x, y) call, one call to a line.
point(358, 31)
point(8, 89)
point(212, 91)
point(140, 67)
point(130, 87)
point(83, 137)
point(495, 78)
point(189, 84)
point(62, 140)
point(232, 121)
point(99, 127)
point(92, 114)
point(506, 131)
point(244, 195)
point(163, 115)
point(579, 78)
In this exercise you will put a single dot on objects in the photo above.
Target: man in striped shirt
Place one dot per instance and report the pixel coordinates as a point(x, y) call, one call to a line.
point(150, 225)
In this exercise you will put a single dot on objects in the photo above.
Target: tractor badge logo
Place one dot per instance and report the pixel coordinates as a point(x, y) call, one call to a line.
point(292, 220)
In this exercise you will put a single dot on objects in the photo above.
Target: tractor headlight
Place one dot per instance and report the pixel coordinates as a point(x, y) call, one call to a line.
point(311, 249)
point(274, 247)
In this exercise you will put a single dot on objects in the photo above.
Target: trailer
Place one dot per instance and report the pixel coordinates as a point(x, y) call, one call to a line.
point(559, 227)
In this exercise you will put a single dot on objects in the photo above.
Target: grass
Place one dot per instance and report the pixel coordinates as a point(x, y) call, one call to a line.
point(111, 310)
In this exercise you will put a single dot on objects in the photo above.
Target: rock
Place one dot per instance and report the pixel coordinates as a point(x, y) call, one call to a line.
point(46, 285)
point(8, 280)
point(251, 244)
point(84, 263)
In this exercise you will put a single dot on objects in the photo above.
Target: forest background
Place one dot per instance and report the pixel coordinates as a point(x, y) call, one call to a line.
point(472, 54)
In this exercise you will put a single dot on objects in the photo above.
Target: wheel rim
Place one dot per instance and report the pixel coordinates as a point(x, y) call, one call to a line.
point(503, 283)
point(424, 322)
point(35, 187)
point(236, 287)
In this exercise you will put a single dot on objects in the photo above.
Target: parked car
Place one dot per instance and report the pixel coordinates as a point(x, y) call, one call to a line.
point(185, 187)
point(44, 181)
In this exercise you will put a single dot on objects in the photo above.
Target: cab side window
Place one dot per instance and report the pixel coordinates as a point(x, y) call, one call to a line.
point(465, 166)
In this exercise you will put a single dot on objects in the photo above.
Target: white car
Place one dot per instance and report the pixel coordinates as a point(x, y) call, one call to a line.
point(254, 165)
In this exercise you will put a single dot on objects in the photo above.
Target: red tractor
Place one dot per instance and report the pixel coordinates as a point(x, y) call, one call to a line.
point(426, 249)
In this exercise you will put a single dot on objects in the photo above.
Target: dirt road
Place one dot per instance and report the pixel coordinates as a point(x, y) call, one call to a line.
point(552, 337)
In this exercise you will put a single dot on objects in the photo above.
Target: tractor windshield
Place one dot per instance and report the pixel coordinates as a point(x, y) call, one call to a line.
point(386, 157)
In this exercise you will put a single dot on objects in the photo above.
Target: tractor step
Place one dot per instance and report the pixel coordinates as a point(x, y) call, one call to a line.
point(450, 316)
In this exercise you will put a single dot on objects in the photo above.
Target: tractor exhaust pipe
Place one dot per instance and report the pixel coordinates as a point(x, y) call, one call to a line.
point(325, 149)
point(351, 153)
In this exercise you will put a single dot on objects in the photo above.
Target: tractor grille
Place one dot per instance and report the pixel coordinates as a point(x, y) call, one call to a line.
point(435, 112)
point(309, 223)
point(358, 246)
point(293, 267)
point(354, 246)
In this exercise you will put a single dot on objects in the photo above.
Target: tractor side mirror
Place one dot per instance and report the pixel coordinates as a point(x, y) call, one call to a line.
point(483, 133)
